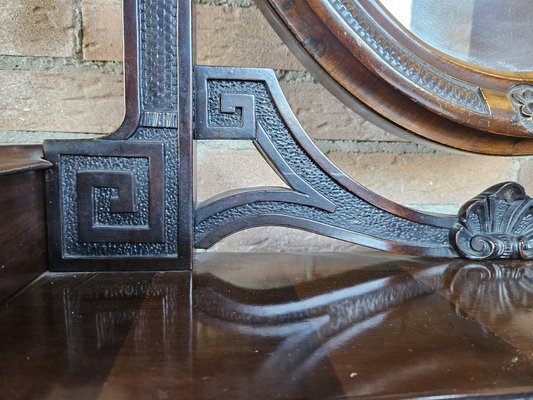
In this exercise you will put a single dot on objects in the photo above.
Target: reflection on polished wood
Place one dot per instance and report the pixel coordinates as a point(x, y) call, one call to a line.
point(274, 326)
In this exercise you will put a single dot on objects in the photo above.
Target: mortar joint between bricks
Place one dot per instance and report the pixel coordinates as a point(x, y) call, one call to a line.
point(78, 29)
point(56, 64)
point(289, 76)
point(515, 168)
point(361, 147)
point(231, 3)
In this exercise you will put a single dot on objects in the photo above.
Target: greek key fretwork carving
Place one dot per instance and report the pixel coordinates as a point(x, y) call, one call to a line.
point(320, 198)
point(96, 223)
point(223, 115)
point(112, 198)
point(125, 201)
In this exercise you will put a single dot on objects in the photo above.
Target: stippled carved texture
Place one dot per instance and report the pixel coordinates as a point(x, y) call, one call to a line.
point(158, 27)
point(118, 199)
point(103, 196)
point(69, 166)
point(352, 213)
point(140, 168)
point(170, 174)
point(220, 119)
point(456, 92)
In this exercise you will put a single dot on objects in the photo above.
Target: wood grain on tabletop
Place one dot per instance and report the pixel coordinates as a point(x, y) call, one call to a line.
point(273, 326)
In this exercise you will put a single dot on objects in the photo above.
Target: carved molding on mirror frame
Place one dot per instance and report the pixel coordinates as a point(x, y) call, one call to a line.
point(361, 53)
point(126, 201)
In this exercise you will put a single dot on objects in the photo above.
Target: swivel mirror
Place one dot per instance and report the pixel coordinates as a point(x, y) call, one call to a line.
point(455, 73)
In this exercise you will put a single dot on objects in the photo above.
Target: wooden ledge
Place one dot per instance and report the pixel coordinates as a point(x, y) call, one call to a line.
point(21, 158)
point(22, 212)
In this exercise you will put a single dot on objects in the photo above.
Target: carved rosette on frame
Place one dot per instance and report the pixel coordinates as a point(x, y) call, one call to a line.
point(521, 97)
point(118, 202)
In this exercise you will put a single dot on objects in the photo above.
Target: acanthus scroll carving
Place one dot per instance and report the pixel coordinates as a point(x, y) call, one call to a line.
point(498, 223)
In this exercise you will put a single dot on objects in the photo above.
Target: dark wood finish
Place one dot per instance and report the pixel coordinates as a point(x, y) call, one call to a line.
point(22, 212)
point(21, 158)
point(274, 326)
point(240, 103)
point(368, 83)
point(248, 104)
point(126, 201)
point(185, 128)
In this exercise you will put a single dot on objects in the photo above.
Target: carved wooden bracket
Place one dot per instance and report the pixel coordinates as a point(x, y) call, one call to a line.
point(126, 202)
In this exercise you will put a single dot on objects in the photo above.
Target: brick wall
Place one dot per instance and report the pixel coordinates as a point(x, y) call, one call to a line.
point(61, 75)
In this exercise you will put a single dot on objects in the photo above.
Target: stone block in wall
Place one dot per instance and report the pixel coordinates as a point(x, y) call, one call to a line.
point(323, 116)
point(240, 37)
point(102, 30)
point(411, 179)
point(223, 169)
point(65, 102)
point(271, 239)
point(425, 178)
point(35, 137)
point(37, 28)
point(525, 174)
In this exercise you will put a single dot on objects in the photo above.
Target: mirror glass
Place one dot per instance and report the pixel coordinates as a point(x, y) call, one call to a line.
point(489, 33)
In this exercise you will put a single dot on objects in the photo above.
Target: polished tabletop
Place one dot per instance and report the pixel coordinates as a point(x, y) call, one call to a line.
point(274, 326)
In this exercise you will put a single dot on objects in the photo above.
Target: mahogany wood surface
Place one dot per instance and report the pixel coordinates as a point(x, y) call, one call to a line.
point(363, 81)
point(252, 326)
point(20, 158)
point(22, 216)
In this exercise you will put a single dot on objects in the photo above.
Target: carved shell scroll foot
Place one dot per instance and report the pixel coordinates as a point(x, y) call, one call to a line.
point(497, 223)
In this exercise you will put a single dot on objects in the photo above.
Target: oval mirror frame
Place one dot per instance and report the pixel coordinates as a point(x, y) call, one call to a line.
point(362, 54)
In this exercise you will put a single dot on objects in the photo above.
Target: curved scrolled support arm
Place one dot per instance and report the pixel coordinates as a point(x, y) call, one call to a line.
point(322, 199)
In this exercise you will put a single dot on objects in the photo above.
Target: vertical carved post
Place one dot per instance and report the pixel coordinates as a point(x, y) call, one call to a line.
point(125, 202)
